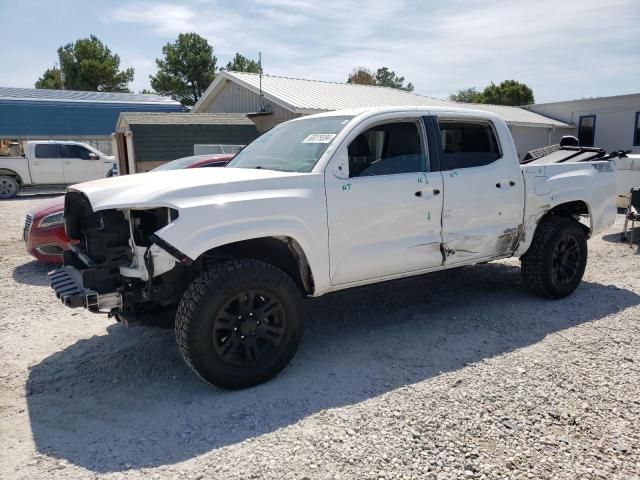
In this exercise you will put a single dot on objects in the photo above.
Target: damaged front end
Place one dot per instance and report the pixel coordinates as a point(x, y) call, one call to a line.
point(119, 265)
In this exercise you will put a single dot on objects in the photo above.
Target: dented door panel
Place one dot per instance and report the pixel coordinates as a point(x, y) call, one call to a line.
point(483, 211)
point(379, 226)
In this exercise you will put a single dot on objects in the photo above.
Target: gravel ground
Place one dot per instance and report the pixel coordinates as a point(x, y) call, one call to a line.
point(459, 374)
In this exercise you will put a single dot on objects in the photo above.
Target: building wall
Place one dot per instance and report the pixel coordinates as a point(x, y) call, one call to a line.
point(234, 98)
point(29, 118)
point(615, 118)
point(528, 138)
point(157, 144)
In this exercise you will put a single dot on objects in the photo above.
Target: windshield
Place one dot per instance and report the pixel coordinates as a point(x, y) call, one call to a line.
point(292, 146)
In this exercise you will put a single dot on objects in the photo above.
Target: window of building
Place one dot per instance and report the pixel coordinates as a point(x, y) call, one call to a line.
point(387, 149)
point(47, 150)
point(636, 131)
point(467, 143)
point(587, 130)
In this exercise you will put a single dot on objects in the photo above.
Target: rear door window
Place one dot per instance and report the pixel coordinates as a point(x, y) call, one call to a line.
point(467, 144)
point(47, 150)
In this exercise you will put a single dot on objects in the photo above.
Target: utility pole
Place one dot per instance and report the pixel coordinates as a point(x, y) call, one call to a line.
point(260, 73)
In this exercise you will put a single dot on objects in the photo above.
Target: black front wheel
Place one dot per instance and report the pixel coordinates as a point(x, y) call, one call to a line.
point(556, 260)
point(239, 323)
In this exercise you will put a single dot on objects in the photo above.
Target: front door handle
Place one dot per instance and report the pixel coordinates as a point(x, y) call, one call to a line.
point(433, 191)
point(510, 182)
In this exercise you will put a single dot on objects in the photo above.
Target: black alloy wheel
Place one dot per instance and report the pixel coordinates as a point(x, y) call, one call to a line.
point(565, 260)
point(239, 323)
point(249, 328)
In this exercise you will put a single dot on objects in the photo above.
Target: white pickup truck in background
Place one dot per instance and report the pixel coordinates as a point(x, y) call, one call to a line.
point(315, 205)
point(53, 163)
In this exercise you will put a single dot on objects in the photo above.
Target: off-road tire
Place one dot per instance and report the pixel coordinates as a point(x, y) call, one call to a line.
point(9, 187)
point(538, 261)
point(202, 304)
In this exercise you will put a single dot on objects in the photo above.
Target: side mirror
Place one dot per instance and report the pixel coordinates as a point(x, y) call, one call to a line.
point(93, 156)
point(340, 163)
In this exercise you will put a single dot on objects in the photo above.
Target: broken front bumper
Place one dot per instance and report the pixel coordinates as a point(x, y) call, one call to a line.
point(68, 284)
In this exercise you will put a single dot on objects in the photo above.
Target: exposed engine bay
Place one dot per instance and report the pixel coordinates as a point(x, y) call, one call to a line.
point(119, 265)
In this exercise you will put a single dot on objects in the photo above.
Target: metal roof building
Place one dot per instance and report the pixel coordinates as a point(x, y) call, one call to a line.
point(612, 123)
point(284, 98)
point(33, 114)
point(300, 96)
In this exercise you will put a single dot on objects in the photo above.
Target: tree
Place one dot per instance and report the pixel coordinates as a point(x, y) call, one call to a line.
point(362, 76)
point(382, 78)
point(187, 69)
point(388, 78)
point(51, 79)
point(240, 63)
point(467, 95)
point(87, 64)
point(509, 92)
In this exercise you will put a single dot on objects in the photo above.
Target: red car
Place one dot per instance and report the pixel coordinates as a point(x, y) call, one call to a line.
point(44, 228)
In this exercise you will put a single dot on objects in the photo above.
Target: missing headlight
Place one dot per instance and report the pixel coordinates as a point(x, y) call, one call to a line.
point(147, 222)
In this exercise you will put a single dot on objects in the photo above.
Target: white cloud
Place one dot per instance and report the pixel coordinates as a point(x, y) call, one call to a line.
point(161, 17)
point(562, 49)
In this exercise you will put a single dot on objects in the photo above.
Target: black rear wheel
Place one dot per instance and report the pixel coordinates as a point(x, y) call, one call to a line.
point(239, 323)
point(556, 260)
point(9, 187)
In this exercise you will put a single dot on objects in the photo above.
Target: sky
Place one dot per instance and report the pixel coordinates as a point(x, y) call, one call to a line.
point(562, 49)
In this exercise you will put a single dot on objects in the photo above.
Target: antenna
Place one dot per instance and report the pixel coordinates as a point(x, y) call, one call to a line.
point(260, 73)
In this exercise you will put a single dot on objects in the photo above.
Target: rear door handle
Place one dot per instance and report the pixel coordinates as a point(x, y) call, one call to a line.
point(511, 183)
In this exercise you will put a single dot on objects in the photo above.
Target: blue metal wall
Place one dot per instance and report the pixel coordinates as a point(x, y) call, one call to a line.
point(23, 118)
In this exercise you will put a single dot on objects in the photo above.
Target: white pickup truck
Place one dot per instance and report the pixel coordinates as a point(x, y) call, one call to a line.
point(52, 163)
point(319, 204)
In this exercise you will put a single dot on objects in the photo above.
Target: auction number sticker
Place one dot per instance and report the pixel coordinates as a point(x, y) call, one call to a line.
point(319, 138)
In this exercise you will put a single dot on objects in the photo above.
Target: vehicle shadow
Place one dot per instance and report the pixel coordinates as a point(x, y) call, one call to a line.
point(33, 273)
point(126, 400)
point(617, 237)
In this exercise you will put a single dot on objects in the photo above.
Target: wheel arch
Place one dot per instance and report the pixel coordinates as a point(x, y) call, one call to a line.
point(11, 173)
point(575, 209)
point(283, 252)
